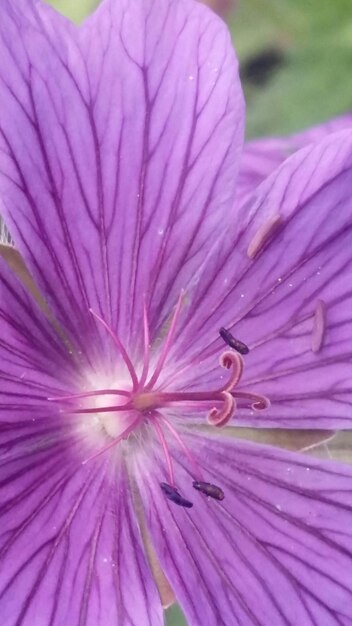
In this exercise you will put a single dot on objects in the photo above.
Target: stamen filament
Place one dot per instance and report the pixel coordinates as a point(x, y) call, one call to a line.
point(163, 442)
point(145, 370)
point(167, 344)
point(198, 471)
point(123, 435)
point(91, 394)
point(102, 409)
point(121, 348)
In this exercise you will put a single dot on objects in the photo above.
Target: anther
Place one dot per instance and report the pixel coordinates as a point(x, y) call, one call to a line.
point(231, 341)
point(263, 234)
point(210, 490)
point(173, 495)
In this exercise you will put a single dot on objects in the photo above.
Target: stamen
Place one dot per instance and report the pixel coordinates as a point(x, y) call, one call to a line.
point(167, 344)
point(198, 471)
point(173, 495)
point(319, 325)
point(220, 417)
point(212, 491)
point(163, 442)
point(263, 234)
point(90, 394)
point(102, 409)
point(121, 349)
point(231, 341)
point(123, 435)
point(145, 370)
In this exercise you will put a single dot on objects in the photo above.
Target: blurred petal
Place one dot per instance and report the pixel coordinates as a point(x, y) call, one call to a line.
point(17, 265)
point(297, 440)
point(338, 448)
point(261, 157)
point(282, 536)
point(70, 548)
point(285, 290)
point(135, 159)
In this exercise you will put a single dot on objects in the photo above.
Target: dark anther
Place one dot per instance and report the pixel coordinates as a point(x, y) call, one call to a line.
point(209, 490)
point(234, 343)
point(173, 495)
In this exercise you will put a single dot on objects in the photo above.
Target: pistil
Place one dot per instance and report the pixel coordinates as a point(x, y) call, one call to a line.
point(142, 403)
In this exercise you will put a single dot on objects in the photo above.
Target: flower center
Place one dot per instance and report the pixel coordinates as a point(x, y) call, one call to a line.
point(144, 401)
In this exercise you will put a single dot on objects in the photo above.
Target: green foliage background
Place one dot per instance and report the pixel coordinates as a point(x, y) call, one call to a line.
point(311, 83)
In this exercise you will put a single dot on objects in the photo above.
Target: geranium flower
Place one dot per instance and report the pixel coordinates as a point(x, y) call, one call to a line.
point(120, 143)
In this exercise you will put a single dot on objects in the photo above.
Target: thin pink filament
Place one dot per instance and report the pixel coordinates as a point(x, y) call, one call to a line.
point(167, 344)
point(163, 442)
point(121, 349)
point(123, 435)
point(146, 348)
point(102, 409)
point(173, 431)
point(91, 394)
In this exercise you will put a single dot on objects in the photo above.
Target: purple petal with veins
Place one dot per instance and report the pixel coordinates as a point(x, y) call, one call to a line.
point(119, 149)
point(34, 363)
point(283, 287)
point(70, 545)
point(281, 535)
point(261, 157)
point(115, 171)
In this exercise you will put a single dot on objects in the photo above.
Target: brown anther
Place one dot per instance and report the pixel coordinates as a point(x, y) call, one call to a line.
point(231, 341)
point(173, 495)
point(210, 490)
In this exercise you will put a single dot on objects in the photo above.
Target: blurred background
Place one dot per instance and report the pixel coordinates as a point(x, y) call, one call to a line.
point(296, 60)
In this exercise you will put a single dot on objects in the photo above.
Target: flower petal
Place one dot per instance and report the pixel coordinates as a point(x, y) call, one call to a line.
point(285, 290)
point(70, 547)
point(35, 363)
point(120, 142)
point(261, 157)
point(338, 448)
point(275, 551)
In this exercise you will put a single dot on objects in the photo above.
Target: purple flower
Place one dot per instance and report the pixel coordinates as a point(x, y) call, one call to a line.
point(120, 144)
